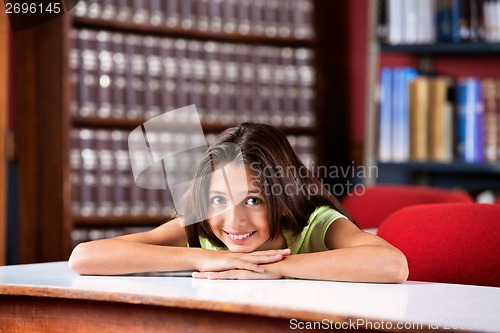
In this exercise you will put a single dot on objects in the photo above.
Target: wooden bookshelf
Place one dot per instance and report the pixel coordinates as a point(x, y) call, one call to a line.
point(152, 30)
point(455, 60)
point(44, 97)
point(96, 122)
point(4, 70)
point(465, 176)
point(444, 48)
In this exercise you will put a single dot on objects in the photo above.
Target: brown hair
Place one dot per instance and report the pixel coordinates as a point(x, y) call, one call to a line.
point(274, 164)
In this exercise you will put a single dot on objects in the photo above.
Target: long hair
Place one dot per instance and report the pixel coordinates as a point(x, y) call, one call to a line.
point(292, 192)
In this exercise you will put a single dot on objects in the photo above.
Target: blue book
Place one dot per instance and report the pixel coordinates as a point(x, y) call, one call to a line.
point(396, 114)
point(448, 21)
point(461, 119)
point(385, 114)
point(479, 135)
point(470, 133)
point(455, 20)
point(401, 113)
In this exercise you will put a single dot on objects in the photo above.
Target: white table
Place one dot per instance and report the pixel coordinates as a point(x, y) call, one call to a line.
point(45, 296)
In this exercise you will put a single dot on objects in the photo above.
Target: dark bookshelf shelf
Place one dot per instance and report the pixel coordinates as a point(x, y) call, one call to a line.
point(444, 48)
point(130, 27)
point(455, 167)
point(118, 221)
point(114, 123)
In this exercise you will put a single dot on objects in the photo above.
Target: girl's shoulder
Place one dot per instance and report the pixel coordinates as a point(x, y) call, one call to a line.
point(311, 239)
point(325, 214)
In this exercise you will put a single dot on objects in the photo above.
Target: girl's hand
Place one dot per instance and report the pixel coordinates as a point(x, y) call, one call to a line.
point(224, 261)
point(236, 274)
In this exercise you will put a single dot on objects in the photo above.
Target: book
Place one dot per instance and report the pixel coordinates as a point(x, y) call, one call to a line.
point(104, 74)
point(395, 24)
point(152, 77)
point(303, 12)
point(491, 130)
point(385, 114)
point(74, 64)
point(105, 174)
point(401, 113)
point(470, 135)
point(243, 16)
point(419, 118)
point(118, 80)
point(306, 78)
point(172, 13)
point(75, 163)
point(215, 10)
point(497, 109)
point(491, 10)
point(88, 196)
point(122, 174)
point(448, 20)
point(441, 129)
point(87, 89)
point(229, 9)
point(140, 10)
point(135, 65)
point(124, 10)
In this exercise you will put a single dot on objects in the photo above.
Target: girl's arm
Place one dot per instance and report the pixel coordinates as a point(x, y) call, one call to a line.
point(357, 256)
point(161, 249)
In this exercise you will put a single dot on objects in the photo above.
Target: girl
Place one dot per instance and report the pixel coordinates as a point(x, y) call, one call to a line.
point(253, 212)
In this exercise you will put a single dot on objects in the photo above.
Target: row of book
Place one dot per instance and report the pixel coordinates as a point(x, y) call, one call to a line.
point(438, 118)
point(438, 21)
point(80, 235)
point(102, 178)
point(127, 76)
point(269, 18)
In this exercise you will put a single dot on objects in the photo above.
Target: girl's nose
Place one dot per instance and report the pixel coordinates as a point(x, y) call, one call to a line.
point(236, 215)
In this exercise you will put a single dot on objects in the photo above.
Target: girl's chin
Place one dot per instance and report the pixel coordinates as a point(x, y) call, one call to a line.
point(247, 248)
point(241, 248)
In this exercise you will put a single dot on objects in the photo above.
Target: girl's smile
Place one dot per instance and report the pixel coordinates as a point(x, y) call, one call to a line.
point(239, 236)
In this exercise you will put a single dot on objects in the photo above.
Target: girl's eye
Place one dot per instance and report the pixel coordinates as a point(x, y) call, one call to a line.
point(253, 201)
point(218, 200)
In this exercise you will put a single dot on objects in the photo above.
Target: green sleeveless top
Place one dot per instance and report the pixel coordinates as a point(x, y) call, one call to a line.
point(311, 239)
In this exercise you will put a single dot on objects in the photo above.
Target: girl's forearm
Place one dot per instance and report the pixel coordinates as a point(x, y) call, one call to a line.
point(367, 263)
point(118, 256)
point(115, 256)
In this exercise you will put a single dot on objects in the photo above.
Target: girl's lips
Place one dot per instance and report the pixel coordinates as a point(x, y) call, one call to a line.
point(239, 236)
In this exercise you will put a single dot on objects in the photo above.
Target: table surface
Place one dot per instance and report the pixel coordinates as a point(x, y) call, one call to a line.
point(435, 305)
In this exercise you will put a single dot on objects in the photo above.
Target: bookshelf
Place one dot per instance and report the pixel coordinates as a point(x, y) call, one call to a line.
point(50, 98)
point(455, 60)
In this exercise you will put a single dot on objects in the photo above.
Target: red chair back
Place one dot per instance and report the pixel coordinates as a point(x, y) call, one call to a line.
point(450, 243)
point(377, 202)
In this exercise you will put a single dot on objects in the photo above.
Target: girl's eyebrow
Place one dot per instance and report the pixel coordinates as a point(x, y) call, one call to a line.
point(256, 191)
point(217, 192)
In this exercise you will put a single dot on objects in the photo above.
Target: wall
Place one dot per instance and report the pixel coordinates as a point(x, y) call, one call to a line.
point(357, 28)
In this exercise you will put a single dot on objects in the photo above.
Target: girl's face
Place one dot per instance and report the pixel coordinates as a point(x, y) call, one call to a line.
point(238, 210)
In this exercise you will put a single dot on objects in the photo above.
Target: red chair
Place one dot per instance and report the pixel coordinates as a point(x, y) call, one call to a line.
point(450, 242)
point(377, 202)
